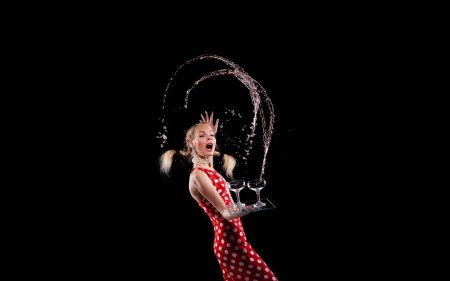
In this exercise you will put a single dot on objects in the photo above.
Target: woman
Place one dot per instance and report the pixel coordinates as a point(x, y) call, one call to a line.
point(236, 257)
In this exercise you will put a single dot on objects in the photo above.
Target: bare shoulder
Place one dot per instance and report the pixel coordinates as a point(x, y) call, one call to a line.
point(201, 179)
point(194, 175)
point(198, 174)
point(196, 184)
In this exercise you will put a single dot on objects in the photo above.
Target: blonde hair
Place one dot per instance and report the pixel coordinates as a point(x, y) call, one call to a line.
point(166, 159)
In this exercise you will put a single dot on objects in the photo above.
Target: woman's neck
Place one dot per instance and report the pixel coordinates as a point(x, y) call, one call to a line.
point(203, 162)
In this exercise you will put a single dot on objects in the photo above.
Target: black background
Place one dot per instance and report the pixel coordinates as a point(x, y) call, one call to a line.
point(336, 167)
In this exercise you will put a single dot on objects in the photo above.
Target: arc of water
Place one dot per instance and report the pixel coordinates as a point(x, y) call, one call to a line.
point(166, 92)
point(255, 89)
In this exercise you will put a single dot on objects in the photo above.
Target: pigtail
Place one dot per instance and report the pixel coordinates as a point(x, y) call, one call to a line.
point(165, 161)
point(229, 162)
point(167, 158)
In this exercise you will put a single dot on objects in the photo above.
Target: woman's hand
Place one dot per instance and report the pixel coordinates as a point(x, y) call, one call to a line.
point(228, 216)
point(209, 119)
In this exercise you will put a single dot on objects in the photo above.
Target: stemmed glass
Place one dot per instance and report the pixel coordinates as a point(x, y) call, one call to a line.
point(256, 185)
point(237, 186)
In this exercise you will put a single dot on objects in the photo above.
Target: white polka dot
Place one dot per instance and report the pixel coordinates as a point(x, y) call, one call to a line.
point(243, 257)
point(225, 258)
point(233, 261)
point(239, 240)
point(257, 274)
point(232, 266)
point(258, 268)
point(252, 259)
point(234, 255)
point(259, 261)
point(238, 276)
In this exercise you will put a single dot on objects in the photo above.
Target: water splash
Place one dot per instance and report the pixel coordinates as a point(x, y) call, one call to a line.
point(258, 95)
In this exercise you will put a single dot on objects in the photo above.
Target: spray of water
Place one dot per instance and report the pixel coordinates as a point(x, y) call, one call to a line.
point(259, 98)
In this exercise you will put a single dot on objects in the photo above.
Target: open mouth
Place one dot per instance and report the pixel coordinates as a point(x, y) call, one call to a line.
point(209, 146)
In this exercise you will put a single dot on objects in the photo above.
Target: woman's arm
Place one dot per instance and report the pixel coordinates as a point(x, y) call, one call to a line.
point(203, 184)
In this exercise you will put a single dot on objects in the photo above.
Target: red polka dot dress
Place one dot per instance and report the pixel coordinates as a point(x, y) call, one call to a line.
point(236, 257)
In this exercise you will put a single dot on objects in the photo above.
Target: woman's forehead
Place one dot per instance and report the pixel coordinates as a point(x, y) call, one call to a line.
point(204, 128)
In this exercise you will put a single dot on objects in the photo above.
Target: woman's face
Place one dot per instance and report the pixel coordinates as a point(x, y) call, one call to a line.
point(204, 142)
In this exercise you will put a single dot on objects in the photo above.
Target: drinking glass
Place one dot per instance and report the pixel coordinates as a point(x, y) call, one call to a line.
point(256, 185)
point(236, 186)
